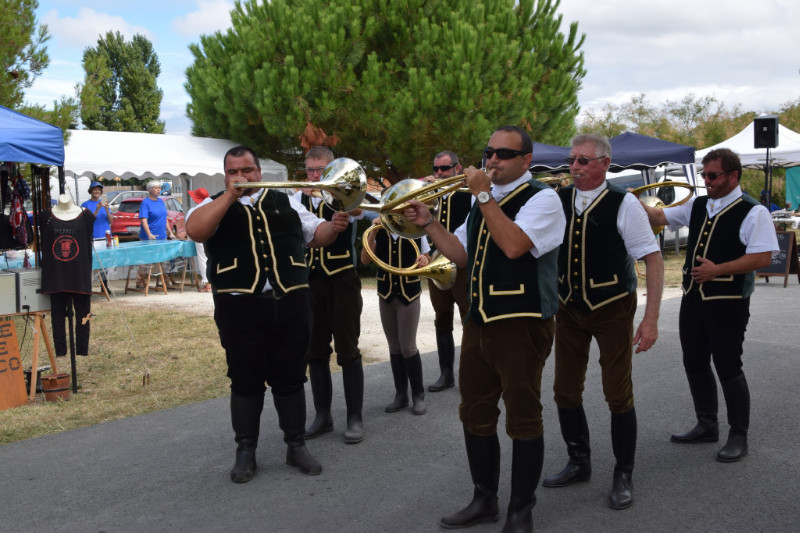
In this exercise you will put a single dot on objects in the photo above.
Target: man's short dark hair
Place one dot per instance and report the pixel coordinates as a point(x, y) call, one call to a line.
point(320, 152)
point(239, 151)
point(728, 160)
point(527, 143)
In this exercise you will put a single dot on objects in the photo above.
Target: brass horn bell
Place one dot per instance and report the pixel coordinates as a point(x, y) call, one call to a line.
point(440, 270)
point(655, 201)
point(343, 185)
point(394, 220)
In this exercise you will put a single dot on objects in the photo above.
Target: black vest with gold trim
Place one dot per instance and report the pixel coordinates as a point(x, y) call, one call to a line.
point(594, 268)
point(257, 243)
point(717, 239)
point(397, 253)
point(502, 288)
point(454, 209)
point(337, 256)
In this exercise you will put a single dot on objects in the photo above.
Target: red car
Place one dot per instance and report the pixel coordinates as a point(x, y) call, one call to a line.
point(126, 223)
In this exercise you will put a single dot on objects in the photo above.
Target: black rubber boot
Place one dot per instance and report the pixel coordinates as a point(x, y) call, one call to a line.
point(400, 384)
point(623, 442)
point(414, 371)
point(737, 400)
point(703, 387)
point(447, 355)
point(292, 419)
point(483, 454)
point(353, 379)
point(575, 431)
point(322, 390)
point(526, 469)
point(245, 419)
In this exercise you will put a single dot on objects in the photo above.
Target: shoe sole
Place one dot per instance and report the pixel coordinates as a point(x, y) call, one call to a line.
point(567, 484)
point(317, 433)
point(694, 441)
point(494, 518)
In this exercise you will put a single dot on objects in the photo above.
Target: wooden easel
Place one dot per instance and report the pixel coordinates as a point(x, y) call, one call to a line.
point(40, 328)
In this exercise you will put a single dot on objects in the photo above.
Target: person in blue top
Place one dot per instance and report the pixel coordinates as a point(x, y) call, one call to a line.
point(99, 207)
point(153, 215)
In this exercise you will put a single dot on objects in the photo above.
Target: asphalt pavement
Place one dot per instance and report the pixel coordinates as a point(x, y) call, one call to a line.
point(168, 470)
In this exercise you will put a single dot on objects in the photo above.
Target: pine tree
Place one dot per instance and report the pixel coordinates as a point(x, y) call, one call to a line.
point(22, 50)
point(390, 83)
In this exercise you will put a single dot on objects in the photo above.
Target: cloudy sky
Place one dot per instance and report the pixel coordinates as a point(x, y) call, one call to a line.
point(741, 52)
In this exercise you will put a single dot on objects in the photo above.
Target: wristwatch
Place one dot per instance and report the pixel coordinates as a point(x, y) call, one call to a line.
point(483, 197)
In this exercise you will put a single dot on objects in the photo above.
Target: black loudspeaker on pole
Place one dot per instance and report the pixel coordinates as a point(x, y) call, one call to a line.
point(765, 130)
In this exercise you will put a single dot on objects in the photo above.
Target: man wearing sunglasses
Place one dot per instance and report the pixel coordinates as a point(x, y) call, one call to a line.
point(730, 237)
point(509, 246)
point(606, 231)
point(453, 210)
point(336, 288)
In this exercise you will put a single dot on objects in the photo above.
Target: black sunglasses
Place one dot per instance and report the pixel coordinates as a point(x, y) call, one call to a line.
point(502, 153)
point(443, 168)
point(713, 175)
point(582, 160)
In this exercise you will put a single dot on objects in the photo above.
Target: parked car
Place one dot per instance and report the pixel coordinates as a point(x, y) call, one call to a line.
point(116, 197)
point(126, 223)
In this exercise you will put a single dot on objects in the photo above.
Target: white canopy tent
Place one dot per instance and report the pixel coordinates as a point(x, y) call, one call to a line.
point(190, 162)
point(786, 154)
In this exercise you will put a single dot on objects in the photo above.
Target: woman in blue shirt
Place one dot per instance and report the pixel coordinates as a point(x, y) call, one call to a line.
point(153, 215)
point(99, 207)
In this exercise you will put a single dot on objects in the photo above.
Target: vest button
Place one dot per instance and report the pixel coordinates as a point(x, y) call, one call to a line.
point(572, 300)
point(259, 230)
point(578, 220)
point(575, 287)
point(474, 278)
point(477, 262)
point(577, 233)
point(574, 273)
point(705, 233)
point(701, 245)
point(575, 246)
point(574, 260)
point(474, 294)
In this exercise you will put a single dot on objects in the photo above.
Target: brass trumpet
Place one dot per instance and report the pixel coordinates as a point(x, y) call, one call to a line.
point(343, 185)
point(655, 201)
point(559, 180)
point(440, 270)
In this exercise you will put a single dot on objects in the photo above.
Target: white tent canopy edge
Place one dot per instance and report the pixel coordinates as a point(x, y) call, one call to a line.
point(190, 162)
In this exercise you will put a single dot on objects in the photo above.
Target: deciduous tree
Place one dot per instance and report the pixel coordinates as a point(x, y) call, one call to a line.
point(120, 92)
point(389, 82)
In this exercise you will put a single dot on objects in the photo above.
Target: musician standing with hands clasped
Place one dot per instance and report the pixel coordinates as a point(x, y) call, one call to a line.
point(453, 210)
point(730, 237)
point(255, 241)
point(606, 230)
point(509, 245)
point(399, 308)
point(336, 288)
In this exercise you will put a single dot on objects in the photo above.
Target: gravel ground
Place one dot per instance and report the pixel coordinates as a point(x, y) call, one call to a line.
point(372, 341)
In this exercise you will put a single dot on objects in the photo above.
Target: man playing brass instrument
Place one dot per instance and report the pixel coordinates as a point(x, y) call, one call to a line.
point(453, 210)
point(255, 240)
point(509, 245)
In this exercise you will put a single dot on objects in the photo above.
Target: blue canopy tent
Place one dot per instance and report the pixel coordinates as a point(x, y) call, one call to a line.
point(27, 140)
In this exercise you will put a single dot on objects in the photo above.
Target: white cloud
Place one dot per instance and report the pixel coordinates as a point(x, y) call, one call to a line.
point(734, 50)
point(210, 16)
point(84, 29)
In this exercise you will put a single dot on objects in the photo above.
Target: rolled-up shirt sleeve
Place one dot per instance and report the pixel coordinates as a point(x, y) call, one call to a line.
point(542, 220)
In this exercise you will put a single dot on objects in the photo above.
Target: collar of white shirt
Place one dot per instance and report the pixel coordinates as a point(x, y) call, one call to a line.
point(715, 205)
point(500, 191)
point(585, 198)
